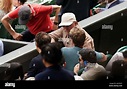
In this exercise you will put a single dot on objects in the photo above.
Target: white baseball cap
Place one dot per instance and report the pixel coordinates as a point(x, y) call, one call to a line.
point(67, 19)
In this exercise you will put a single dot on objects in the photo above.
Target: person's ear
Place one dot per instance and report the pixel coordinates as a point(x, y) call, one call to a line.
point(43, 61)
point(75, 23)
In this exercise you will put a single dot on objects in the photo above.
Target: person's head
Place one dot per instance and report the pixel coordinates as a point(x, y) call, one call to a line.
point(87, 54)
point(125, 55)
point(118, 69)
point(14, 71)
point(42, 38)
point(24, 14)
point(68, 21)
point(78, 36)
point(18, 2)
point(6, 5)
point(51, 54)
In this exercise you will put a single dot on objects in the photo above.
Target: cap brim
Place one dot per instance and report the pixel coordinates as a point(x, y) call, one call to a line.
point(23, 22)
point(65, 23)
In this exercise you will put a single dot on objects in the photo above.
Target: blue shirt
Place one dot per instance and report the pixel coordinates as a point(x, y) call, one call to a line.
point(55, 72)
point(98, 55)
point(36, 66)
point(71, 57)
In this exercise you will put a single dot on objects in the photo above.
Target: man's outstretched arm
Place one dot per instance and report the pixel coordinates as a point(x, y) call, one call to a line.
point(5, 21)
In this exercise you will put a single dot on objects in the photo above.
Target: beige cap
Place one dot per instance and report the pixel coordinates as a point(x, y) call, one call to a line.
point(67, 19)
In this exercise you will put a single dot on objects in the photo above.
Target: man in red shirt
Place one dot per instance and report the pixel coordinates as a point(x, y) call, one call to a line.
point(36, 17)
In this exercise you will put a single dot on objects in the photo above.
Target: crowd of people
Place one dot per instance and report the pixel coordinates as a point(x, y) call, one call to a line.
point(65, 49)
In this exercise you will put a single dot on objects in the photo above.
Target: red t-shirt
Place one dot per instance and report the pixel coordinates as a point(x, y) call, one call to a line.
point(40, 20)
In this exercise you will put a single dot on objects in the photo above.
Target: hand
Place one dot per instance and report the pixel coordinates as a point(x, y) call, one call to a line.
point(17, 36)
point(76, 68)
point(97, 10)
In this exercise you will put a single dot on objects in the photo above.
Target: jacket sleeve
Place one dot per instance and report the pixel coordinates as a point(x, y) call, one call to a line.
point(56, 34)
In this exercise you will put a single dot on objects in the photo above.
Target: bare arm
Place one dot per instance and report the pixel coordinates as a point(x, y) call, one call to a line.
point(56, 9)
point(5, 21)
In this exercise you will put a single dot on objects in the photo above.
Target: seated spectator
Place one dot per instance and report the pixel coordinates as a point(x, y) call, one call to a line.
point(117, 56)
point(1, 48)
point(52, 56)
point(109, 4)
point(99, 7)
point(14, 71)
point(77, 37)
point(69, 21)
point(92, 70)
point(36, 66)
point(118, 70)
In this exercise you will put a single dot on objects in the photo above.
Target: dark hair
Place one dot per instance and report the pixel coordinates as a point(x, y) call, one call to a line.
point(59, 44)
point(42, 38)
point(88, 54)
point(125, 54)
point(118, 69)
point(22, 1)
point(14, 71)
point(51, 53)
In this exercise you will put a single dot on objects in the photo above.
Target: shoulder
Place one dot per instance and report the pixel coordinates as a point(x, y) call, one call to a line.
point(36, 59)
point(118, 54)
point(66, 49)
point(57, 31)
point(38, 76)
point(42, 75)
point(67, 71)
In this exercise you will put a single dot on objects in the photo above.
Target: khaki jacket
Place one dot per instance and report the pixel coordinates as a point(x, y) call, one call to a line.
point(62, 34)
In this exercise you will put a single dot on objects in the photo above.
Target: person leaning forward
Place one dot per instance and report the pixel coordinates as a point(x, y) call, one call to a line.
point(68, 21)
point(36, 17)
